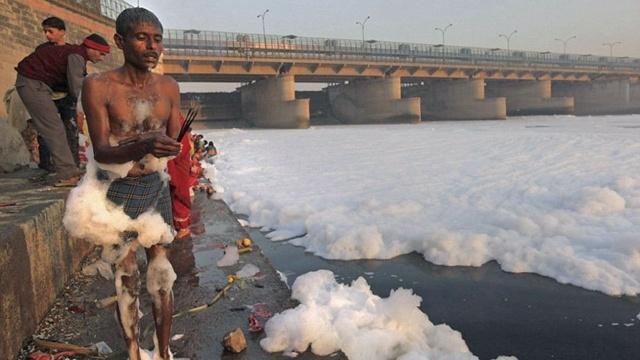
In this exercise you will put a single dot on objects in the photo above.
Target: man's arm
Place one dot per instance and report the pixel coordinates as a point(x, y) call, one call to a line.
point(76, 71)
point(174, 122)
point(94, 103)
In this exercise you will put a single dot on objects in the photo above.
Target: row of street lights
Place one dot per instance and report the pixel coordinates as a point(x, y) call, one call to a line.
point(444, 31)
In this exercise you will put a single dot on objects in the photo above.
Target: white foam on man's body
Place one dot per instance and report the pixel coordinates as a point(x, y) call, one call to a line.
point(91, 216)
point(557, 196)
point(333, 316)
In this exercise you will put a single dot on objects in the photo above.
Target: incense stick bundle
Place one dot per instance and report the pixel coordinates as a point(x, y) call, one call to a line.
point(192, 113)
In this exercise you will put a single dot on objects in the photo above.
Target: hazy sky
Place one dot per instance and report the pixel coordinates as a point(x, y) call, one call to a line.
point(475, 22)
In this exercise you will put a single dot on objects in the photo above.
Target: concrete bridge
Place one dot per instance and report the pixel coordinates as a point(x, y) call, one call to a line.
point(381, 81)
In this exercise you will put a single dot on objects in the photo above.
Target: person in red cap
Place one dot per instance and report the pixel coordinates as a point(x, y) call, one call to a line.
point(57, 68)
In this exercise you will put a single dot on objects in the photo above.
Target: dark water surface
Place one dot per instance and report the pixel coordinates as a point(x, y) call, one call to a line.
point(498, 313)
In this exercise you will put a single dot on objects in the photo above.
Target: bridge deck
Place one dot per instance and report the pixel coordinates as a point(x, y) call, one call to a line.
point(223, 56)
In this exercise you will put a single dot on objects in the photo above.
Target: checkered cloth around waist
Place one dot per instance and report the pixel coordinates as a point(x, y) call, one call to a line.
point(139, 194)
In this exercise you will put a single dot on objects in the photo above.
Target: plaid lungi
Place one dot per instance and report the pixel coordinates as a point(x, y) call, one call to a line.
point(139, 194)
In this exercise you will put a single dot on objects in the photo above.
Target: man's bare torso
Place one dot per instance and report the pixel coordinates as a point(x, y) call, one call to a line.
point(133, 110)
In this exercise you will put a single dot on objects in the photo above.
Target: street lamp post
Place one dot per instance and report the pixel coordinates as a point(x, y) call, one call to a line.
point(611, 45)
point(443, 31)
point(362, 23)
point(264, 33)
point(508, 38)
point(564, 43)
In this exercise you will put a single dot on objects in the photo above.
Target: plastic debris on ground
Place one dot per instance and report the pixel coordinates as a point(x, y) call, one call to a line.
point(283, 278)
point(230, 257)
point(99, 266)
point(247, 271)
point(76, 309)
point(102, 348)
point(259, 315)
point(38, 355)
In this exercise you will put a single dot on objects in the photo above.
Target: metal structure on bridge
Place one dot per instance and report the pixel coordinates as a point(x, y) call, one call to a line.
point(195, 55)
point(201, 55)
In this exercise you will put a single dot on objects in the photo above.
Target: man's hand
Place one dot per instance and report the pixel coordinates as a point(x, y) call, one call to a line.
point(159, 144)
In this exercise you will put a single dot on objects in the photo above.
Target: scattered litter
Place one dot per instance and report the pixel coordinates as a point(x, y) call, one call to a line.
point(177, 337)
point(57, 356)
point(261, 310)
point(259, 315)
point(254, 324)
point(102, 348)
point(230, 257)
point(244, 243)
point(106, 302)
point(99, 266)
point(283, 278)
point(76, 309)
point(248, 270)
point(628, 324)
point(245, 250)
point(614, 324)
point(243, 222)
point(234, 341)
point(600, 325)
point(199, 308)
point(290, 354)
point(53, 345)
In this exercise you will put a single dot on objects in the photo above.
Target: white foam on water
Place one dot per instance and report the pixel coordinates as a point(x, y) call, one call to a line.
point(561, 200)
point(335, 317)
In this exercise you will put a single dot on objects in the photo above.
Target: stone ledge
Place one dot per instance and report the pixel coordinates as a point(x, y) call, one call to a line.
point(37, 257)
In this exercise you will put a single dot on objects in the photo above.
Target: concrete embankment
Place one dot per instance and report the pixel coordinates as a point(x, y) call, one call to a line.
point(37, 257)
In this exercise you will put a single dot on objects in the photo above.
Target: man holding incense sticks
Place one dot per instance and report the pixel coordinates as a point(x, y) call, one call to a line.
point(133, 116)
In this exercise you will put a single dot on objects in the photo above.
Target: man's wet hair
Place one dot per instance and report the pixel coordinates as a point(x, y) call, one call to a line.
point(54, 22)
point(133, 16)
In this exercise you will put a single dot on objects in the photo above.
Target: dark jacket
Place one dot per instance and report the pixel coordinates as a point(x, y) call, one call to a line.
point(49, 64)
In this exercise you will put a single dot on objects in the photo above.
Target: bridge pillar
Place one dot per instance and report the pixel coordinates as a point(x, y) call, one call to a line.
point(457, 100)
point(271, 103)
point(634, 93)
point(529, 97)
point(372, 101)
point(600, 97)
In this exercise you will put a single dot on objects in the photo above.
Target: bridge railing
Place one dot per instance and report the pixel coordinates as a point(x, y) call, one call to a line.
point(112, 8)
point(229, 44)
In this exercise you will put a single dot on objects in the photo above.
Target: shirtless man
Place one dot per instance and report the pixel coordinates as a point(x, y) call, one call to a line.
point(132, 114)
